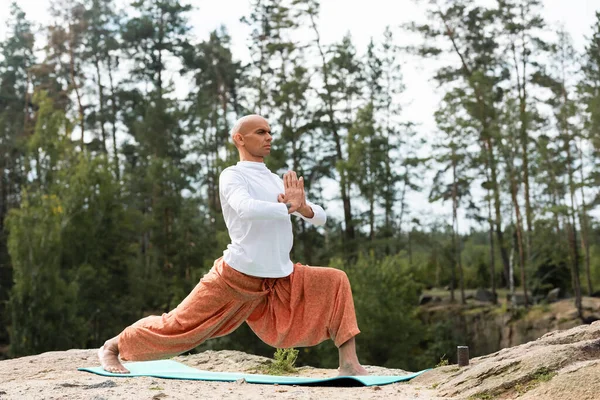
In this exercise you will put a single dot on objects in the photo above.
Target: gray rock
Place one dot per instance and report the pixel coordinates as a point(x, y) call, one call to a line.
point(424, 299)
point(485, 296)
point(519, 299)
point(553, 295)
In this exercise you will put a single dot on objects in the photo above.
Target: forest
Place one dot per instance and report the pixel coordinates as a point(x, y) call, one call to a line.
point(109, 198)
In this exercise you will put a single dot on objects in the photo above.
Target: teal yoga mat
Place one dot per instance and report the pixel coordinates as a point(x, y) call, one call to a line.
point(173, 370)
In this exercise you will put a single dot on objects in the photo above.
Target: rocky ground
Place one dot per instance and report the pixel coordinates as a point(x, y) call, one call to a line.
point(560, 365)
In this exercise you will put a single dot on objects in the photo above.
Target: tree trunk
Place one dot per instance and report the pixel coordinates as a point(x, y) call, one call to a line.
point(524, 138)
point(113, 101)
point(349, 224)
point(76, 88)
point(452, 270)
point(498, 221)
point(492, 251)
point(455, 233)
point(101, 102)
point(519, 231)
point(574, 256)
point(571, 225)
point(486, 137)
point(584, 222)
point(572, 232)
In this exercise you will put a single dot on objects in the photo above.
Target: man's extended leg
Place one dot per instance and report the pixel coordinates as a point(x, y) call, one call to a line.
point(109, 357)
point(220, 303)
point(313, 304)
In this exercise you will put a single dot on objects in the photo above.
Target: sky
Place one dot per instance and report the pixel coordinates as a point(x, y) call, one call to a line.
point(364, 20)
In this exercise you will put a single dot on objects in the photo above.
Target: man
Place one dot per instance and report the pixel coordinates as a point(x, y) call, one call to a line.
point(286, 305)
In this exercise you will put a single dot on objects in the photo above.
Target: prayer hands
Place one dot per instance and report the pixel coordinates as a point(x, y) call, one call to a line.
point(294, 195)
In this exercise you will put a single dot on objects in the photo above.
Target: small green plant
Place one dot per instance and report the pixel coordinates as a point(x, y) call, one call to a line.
point(443, 361)
point(283, 362)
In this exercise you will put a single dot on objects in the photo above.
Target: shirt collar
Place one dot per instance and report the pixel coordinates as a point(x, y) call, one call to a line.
point(259, 166)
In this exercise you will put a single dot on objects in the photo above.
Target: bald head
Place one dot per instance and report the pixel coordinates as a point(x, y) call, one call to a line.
point(251, 135)
point(245, 124)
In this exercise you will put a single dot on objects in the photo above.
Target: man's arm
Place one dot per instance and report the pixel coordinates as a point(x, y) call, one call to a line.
point(233, 189)
point(296, 197)
point(312, 213)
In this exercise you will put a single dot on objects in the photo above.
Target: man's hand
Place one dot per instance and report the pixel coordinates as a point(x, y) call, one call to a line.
point(294, 195)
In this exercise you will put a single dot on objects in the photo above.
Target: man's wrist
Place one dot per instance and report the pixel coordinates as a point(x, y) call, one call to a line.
point(306, 211)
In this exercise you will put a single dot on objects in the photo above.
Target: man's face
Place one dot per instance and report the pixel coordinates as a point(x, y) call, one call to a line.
point(256, 136)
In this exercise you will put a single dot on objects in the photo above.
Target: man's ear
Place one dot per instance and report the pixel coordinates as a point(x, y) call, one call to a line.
point(238, 139)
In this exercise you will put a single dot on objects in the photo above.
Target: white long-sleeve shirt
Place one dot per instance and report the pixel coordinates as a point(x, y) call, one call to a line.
point(259, 226)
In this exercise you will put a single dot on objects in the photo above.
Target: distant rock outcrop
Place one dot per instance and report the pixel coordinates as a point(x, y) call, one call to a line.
point(487, 328)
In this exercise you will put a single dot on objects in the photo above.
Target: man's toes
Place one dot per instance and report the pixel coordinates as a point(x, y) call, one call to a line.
point(117, 369)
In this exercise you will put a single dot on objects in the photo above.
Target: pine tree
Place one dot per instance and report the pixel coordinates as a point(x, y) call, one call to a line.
point(16, 57)
point(480, 71)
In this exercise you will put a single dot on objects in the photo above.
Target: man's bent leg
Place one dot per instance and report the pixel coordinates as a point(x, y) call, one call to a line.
point(219, 304)
point(349, 365)
point(313, 304)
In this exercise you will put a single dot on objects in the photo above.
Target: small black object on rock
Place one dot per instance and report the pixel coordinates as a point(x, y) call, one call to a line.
point(463, 355)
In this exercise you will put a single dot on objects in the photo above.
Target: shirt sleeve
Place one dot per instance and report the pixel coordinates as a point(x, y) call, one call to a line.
point(235, 193)
point(318, 219)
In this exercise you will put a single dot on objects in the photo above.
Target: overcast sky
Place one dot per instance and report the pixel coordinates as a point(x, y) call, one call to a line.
point(364, 19)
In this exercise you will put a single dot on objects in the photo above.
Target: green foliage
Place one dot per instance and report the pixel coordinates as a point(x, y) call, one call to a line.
point(443, 362)
point(283, 362)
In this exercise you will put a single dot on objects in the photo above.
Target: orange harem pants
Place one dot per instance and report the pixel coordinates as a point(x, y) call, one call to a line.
point(303, 309)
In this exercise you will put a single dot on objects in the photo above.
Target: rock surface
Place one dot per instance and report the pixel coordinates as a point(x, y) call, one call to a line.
point(559, 366)
point(54, 375)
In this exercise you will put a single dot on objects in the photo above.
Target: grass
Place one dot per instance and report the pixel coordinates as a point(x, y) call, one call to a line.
point(443, 361)
point(283, 363)
point(541, 375)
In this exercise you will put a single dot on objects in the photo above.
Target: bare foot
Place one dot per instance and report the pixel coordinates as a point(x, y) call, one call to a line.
point(109, 358)
point(352, 370)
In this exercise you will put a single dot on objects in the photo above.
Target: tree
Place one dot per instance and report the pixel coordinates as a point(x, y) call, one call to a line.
point(101, 42)
point(479, 70)
point(564, 113)
point(155, 163)
point(523, 26)
point(453, 156)
point(589, 92)
point(66, 47)
point(340, 81)
point(509, 149)
point(212, 101)
point(16, 57)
